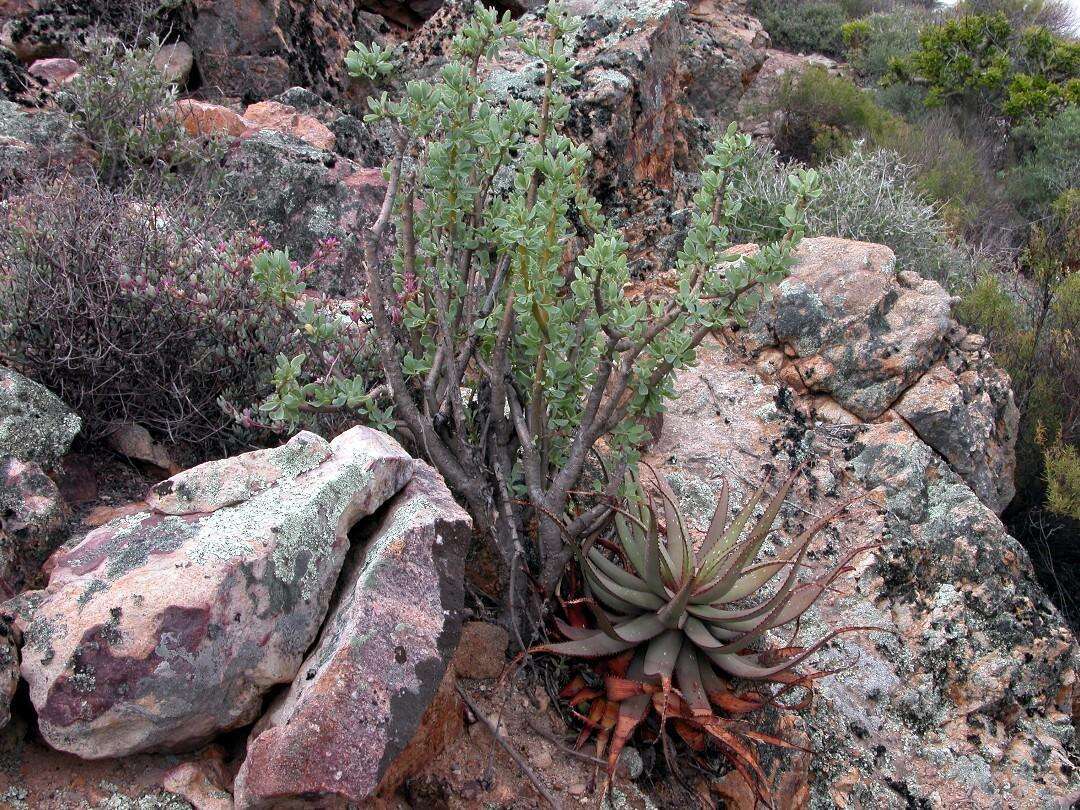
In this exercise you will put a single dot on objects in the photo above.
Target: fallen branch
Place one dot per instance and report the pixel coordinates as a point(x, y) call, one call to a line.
point(509, 749)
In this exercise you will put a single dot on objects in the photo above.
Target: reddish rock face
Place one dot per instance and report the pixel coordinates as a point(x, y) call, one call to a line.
point(54, 72)
point(357, 700)
point(201, 118)
point(286, 119)
point(164, 627)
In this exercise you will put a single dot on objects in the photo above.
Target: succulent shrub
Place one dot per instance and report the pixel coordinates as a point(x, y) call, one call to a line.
point(149, 309)
point(686, 618)
point(507, 344)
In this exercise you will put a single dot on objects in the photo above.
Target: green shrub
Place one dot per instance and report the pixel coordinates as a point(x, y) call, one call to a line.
point(873, 42)
point(1063, 480)
point(982, 64)
point(508, 357)
point(869, 194)
point(118, 101)
point(1031, 318)
point(823, 114)
point(1050, 165)
point(803, 27)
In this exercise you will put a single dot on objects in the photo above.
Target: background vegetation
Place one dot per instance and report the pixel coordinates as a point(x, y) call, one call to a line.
point(953, 136)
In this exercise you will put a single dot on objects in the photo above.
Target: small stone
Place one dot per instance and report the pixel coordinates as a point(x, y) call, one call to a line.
point(578, 789)
point(175, 62)
point(481, 653)
point(135, 442)
point(54, 72)
point(631, 765)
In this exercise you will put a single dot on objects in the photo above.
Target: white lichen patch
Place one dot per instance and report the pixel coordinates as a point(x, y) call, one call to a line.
point(217, 484)
point(415, 511)
point(299, 516)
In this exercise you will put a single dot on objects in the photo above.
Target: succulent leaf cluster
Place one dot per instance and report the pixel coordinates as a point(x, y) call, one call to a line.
point(677, 619)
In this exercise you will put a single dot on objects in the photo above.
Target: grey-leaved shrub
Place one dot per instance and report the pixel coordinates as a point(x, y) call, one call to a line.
point(508, 343)
point(867, 194)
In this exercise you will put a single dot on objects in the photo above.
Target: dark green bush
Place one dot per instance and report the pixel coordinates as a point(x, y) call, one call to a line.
point(1031, 318)
point(1050, 165)
point(982, 64)
point(823, 114)
point(804, 27)
point(873, 42)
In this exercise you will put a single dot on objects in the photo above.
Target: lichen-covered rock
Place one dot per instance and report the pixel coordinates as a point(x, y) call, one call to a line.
point(357, 701)
point(367, 144)
point(855, 327)
point(303, 194)
point(164, 627)
point(283, 118)
point(968, 699)
point(257, 50)
point(33, 517)
point(9, 667)
point(34, 424)
point(963, 407)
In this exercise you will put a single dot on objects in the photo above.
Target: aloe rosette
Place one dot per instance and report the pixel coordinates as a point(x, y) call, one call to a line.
point(678, 619)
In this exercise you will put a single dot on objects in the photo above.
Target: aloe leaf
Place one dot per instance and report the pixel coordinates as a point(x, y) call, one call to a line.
point(688, 680)
point(642, 628)
point(723, 549)
point(571, 632)
point(595, 646)
point(756, 577)
point(719, 520)
point(641, 600)
point(614, 571)
point(744, 552)
point(603, 622)
point(699, 634)
point(673, 614)
point(652, 557)
point(631, 712)
point(661, 654)
point(631, 541)
point(606, 597)
point(678, 539)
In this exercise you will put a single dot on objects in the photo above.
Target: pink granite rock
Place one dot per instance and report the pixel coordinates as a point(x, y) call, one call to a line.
point(358, 699)
point(162, 628)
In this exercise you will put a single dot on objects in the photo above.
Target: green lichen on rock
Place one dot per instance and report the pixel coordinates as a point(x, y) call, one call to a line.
point(34, 424)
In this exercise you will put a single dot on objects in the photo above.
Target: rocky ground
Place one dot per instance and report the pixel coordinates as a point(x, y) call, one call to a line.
point(284, 625)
